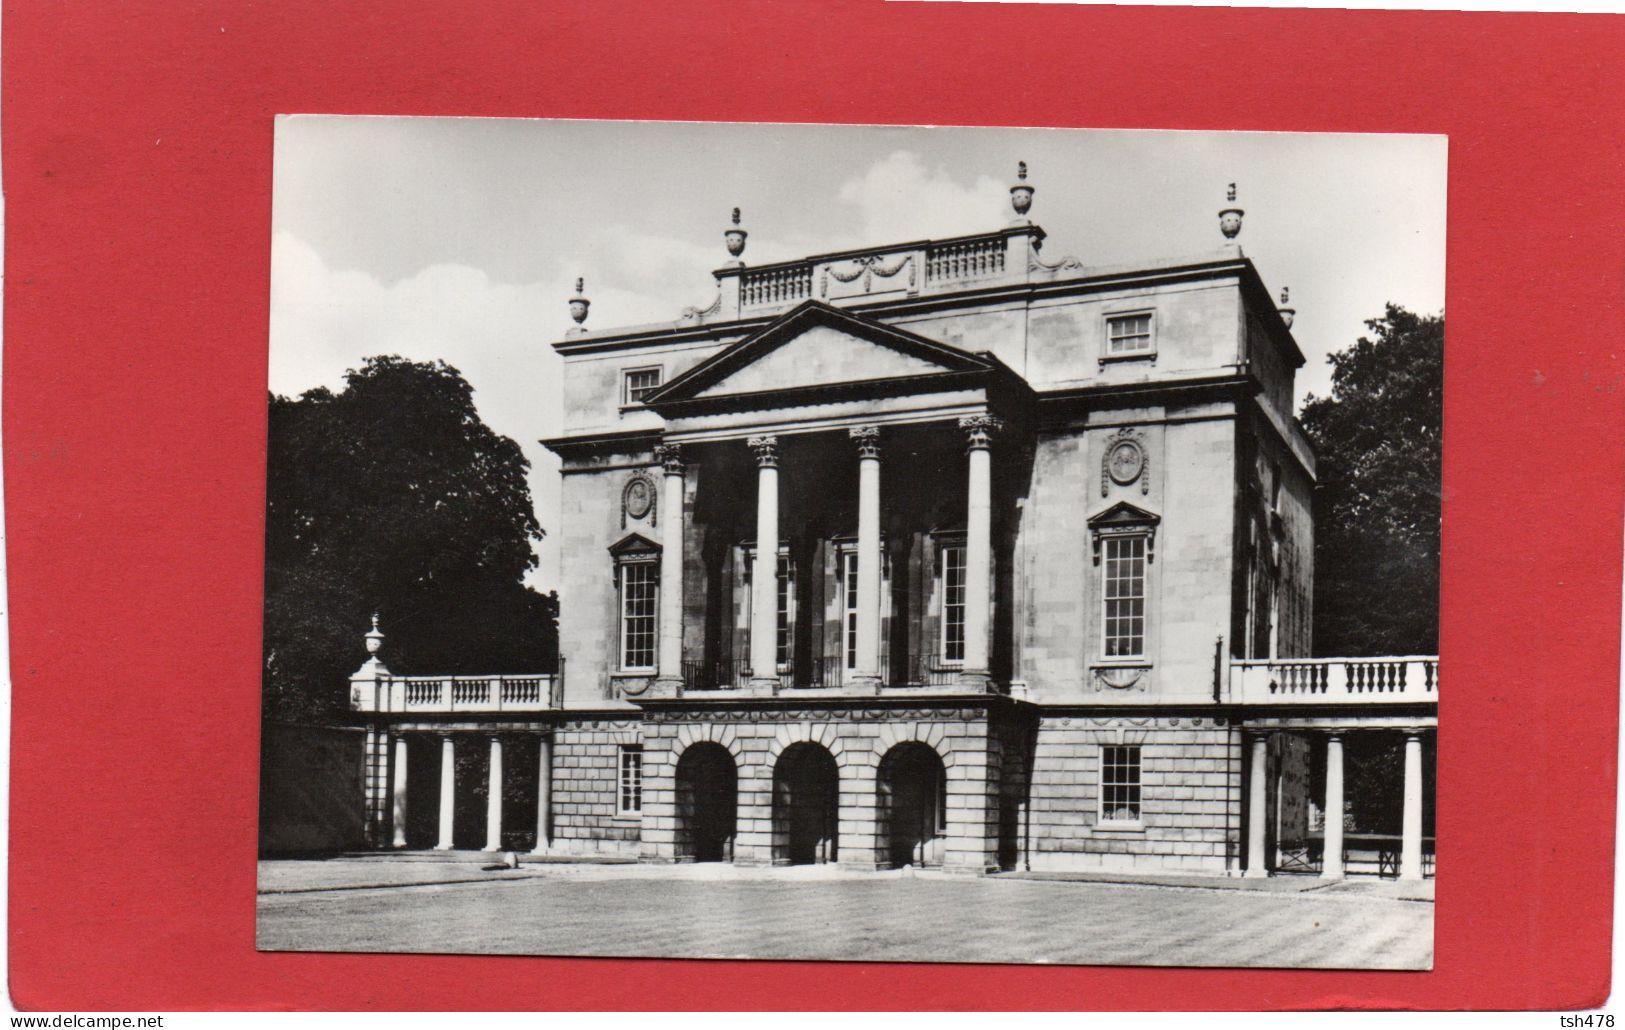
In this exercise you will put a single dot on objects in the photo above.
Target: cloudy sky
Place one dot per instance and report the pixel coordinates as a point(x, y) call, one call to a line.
point(460, 239)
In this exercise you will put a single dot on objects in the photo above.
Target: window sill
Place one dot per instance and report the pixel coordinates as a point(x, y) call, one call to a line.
point(635, 673)
point(1112, 359)
point(1104, 827)
point(628, 818)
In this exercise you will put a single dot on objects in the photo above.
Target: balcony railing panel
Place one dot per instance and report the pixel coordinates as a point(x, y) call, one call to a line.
point(776, 285)
point(967, 259)
point(1405, 679)
point(924, 670)
point(715, 674)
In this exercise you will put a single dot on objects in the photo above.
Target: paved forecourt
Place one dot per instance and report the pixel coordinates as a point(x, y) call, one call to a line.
point(700, 912)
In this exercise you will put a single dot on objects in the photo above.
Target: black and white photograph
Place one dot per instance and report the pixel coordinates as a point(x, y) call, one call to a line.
point(852, 543)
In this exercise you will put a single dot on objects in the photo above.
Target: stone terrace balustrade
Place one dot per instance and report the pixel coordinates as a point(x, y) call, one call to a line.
point(921, 268)
point(1409, 679)
point(459, 694)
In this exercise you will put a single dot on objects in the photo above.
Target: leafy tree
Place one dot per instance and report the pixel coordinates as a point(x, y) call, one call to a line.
point(1378, 439)
point(392, 496)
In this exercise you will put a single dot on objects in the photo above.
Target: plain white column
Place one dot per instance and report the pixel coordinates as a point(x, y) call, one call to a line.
point(978, 546)
point(493, 799)
point(670, 678)
point(764, 615)
point(1410, 848)
point(448, 791)
point(544, 794)
point(399, 797)
point(1258, 808)
point(1331, 863)
point(867, 667)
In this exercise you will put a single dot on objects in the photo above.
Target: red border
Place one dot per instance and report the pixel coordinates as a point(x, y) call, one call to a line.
point(137, 156)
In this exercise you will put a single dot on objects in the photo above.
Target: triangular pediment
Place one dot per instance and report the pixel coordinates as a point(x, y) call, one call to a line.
point(820, 354)
point(817, 346)
point(1122, 514)
point(633, 544)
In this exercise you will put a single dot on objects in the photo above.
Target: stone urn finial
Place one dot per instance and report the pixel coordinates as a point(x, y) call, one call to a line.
point(1021, 191)
point(579, 303)
point(375, 638)
point(734, 236)
point(1230, 217)
point(1286, 312)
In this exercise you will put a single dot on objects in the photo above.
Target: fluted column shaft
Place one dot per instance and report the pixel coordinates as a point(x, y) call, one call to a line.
point(671, 571)
point(1331, 863)
point(764, 621)
point(1410, 849)
point(448, 792)
point(866, 669)
point(978, 546)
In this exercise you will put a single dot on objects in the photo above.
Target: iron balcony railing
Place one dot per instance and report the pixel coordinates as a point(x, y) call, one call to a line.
point(821, 672)
point(715, 674)
point(926, 669)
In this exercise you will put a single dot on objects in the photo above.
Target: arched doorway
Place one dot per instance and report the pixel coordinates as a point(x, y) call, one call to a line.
point(804, 806)
point(707, 804)
point(912, 806)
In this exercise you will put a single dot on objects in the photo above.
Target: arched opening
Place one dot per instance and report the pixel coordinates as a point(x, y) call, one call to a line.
point(707, 804)
point(912, 805)
point(805, 799)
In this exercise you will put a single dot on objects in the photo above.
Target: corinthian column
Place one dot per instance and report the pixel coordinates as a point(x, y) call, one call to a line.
point(764, 617)
point(866, 673)
point(670, 679)
point(979, 430)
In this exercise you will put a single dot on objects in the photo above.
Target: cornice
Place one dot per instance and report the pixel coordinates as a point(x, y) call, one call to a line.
point(665, 335)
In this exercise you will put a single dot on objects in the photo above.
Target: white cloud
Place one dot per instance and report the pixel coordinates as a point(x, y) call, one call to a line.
point(325, 320)
point(900, 199)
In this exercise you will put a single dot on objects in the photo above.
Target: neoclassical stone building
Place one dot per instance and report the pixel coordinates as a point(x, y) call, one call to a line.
point(936, 553)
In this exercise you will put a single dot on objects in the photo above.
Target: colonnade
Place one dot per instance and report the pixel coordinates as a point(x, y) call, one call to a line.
point(1332, 864)
point(495, 786)
point(980, 431)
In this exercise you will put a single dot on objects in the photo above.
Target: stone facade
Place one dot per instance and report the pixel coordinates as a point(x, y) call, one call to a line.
point(586, 762)
point(941, 554)
point(1191, 779)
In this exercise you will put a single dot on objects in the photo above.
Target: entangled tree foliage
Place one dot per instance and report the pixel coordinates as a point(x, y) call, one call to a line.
point(1379, 441)
point(391, 496)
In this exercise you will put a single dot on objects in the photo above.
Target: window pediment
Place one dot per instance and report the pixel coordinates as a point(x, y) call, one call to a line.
point(1124, 519)
point(634, 545)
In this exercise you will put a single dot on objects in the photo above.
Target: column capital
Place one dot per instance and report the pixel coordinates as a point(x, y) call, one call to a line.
point(767, 450)
point(670, 457)
point(868, 440)
point(980, 430)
